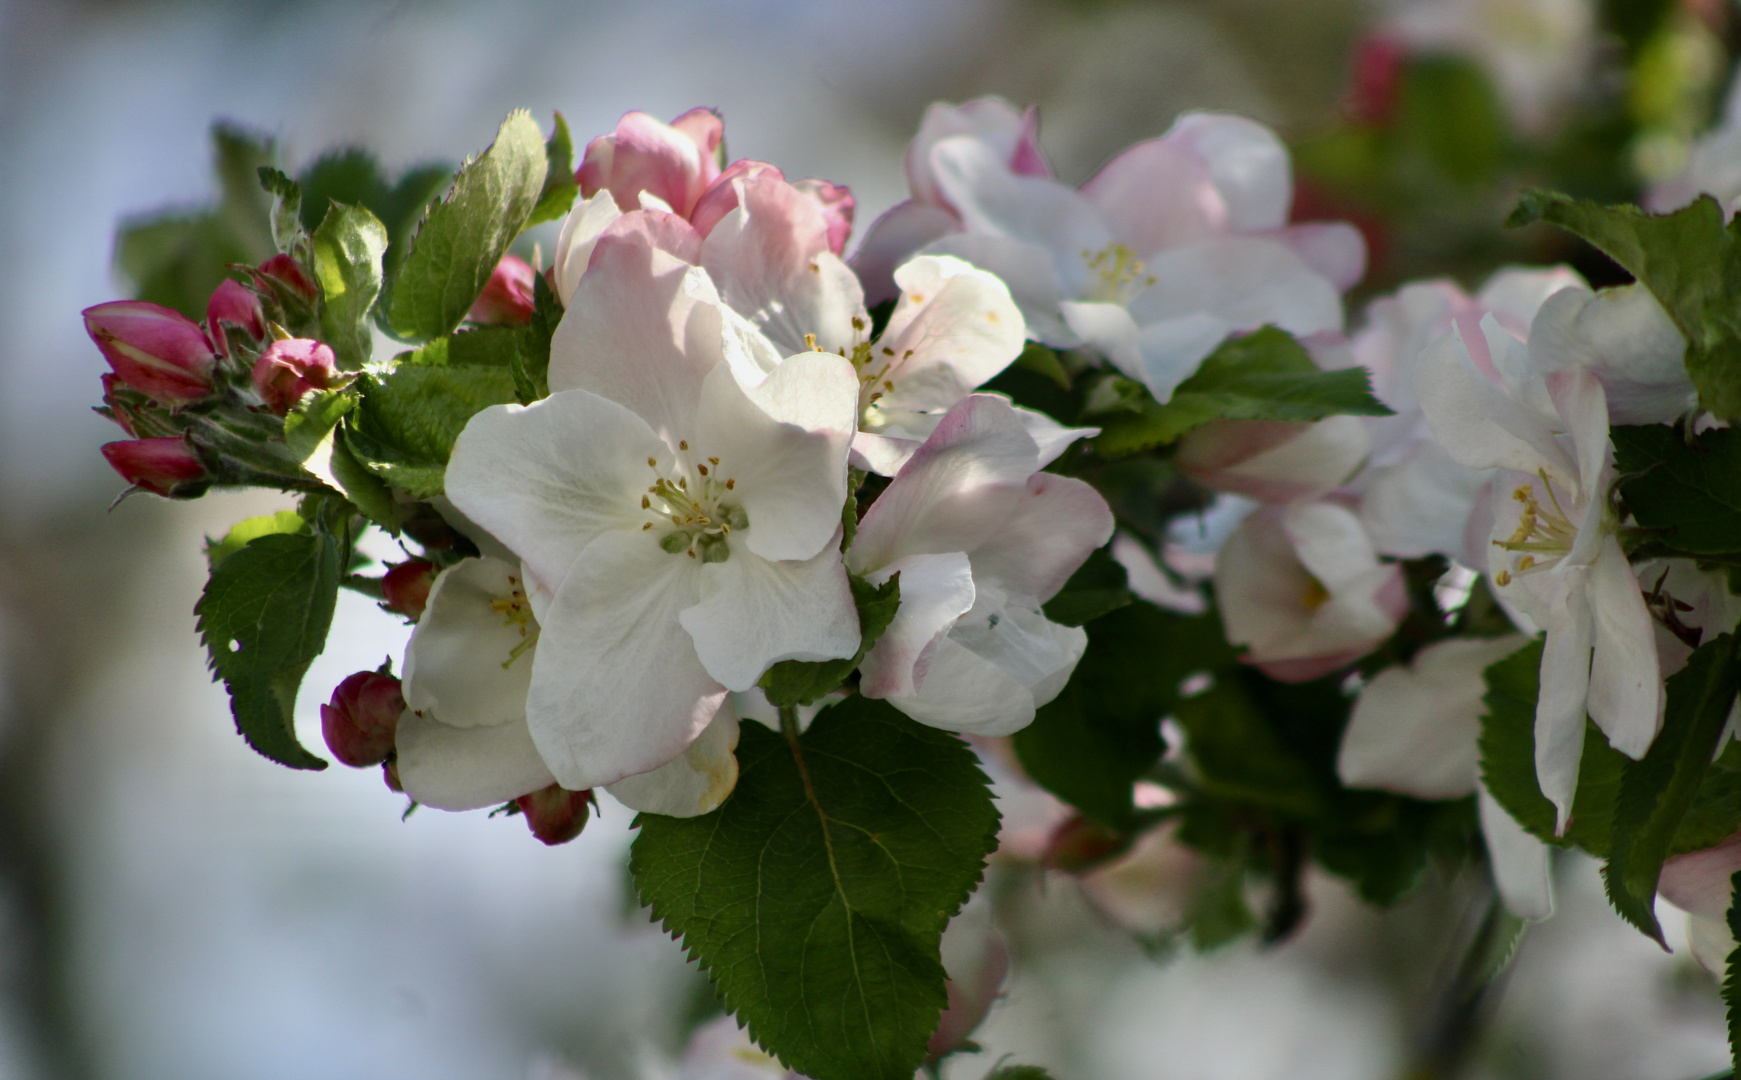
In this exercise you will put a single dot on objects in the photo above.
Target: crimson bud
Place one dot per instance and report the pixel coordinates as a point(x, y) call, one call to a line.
point(291, 368)
point(554, 814)
point(359, 722)
point(406, 587)
point(158, 352)
point(507, 296)
point(155, 465)
point(232, 303)
point(284, 277)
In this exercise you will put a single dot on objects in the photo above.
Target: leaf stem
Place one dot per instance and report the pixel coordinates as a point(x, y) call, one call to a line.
point(789, 723)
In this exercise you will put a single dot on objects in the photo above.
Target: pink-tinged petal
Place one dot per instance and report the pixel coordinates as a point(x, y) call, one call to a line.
point(646, 155)
point(955, 492)
point(1157, 195)
point(1334, 249)
point(1514, 295)
point(1698, 882)
point(1520, 863)
point(616, 686)
point(1051, 531)
point(466, 664)
point(892, 239)
point(770, 260)
point(1626, 694)
point(453, 768)
point(705, 128)
point(954, 328)
point(1049, 435)
point(580, 232)
point(1423, 506)
point(1582, 403)
point(655, 229)
point(507, 295)
point(1009, 134)
point(882, 454)
point(1248, 164)
point(838, 209)
point(935, 591)
point(783, 446)
point(1273, 461)
point(549, 478)
point(754, 613)
point(158, 352)
point(234, 303)
point(721, 197)
point(693, 783)
point(1028, 272)
point(290, 369)
point(1711, 944)
point(1479, 425)
point(1414, 729)
point(156, 465)
point(643, 329)
point(1245, 282)
point(1625, 338)
point(1565, 686)
point(989, 678)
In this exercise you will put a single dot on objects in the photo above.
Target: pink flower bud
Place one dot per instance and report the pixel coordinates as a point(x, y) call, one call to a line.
point(232, 303)
point(155, 465)
point(507, 296)
point(1081, 843)
point(1375, 84)
point(673, 162)
point(554, 814)
point(406, 587)
point(838, 207)
point(285, 278)
point(291, 368)
point(158, 352)
point(117, 409)
point(360, 720)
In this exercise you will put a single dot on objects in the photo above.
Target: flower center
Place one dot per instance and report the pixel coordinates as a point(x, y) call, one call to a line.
point(1544, 534)
point(1315, 595)
point(516, 610)
point(875, 366)
point(697, 519)
point(1118, 274)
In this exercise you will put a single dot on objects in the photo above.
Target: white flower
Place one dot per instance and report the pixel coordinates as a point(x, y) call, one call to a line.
point(1414, 731)
point(682, 501)
point(980, 538)
point(1700, 884)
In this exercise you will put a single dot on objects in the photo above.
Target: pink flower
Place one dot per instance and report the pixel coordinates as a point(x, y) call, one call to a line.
point(507, 296)
point(675, 162)
point(1700, 884)
point(155, 465)
point(158, 352)
point(289, 369)
point(233, 303)
point(360, 720)
point(1274, 461)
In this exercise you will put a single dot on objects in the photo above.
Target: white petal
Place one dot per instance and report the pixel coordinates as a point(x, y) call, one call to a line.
point(1051, 437)
point(1047, 536)
point(549, 478)
point(1711, 944)
point(1625, 338)
point(452, 768)
point(644, 330)
point(1173, 349)
point(1521, 864)
point(1422, 505)
point(1156, 195)
point(1244, 281)
point(1330, 542)
point(1335, 249)
point(1275, 462)
point(693, 783)
point(1011, 631)
point(882, 454)
point(1626, 695)
point(1565, 685)
point(1261, 587)
point(1248, 164)
point(1414, 729)
point(574, 244)
point(954, 328)
point(1476, 422)
point(460, 664)
point(754, 613)
point(935, 591)
point(783, 445)
point(1110, 330)
point(616, 686)
point(1028, 271)
point(892, 239)
point(1515, 294)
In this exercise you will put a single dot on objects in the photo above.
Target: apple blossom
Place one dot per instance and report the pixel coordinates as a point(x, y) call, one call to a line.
point(1303, 589)
point(158, 352)
point(1274, 461)
point(507, 295)
point(232, 302)
point(291, 369)
point(675, 162)
point(682, 502)
point(1700, 883)
point(980, 539)
point(359, 722)
point(161, 466)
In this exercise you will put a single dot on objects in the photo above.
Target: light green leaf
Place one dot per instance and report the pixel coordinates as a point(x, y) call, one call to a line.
point(405, 428)
point(464, 237)
point(284, 521)
point(800, 682)
point(817, 895)
point(347, 261)
point(560, 188)
point(287, 233)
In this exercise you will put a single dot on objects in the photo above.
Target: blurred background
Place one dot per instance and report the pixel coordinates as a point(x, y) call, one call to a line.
point(174, 906)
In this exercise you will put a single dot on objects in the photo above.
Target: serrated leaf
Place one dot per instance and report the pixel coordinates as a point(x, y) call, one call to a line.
point(347, 252)
point(816, 896)
point(532, 362)
point(1264, 375)
point(287, 231)
point(800, 682)
point(284, 521)
point(409, 418)
point(1732, 977)
point(1688, 260)
point(308, 428)
point(1687, 491)
point(264, 617)
point(1098, 586)
point(560, 188)
point(1656, 792)
point(484, 346)
point(464, 236)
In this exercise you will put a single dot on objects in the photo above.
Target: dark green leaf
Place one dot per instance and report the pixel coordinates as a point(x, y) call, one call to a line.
point(1448, 104)
point(817, 895)
point(405, 428)
point(799, 682)
point(349, 175)
point(532, 361)
point(464, 237)
point(264, 618)
point(1019, 1072)
point(1264, 375)
point(1097, 587)
point(557, 197)
point(1239, 755)
point(1732, 978)
point(1688, 491)
point(347, 261)
point(1656, 792)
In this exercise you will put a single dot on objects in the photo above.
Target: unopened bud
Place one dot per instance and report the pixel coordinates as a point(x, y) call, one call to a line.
point(555, 814)
point(166, 466)
point(158, 352)
point(406, 587)
point(507, 296)
point(232, 303)
point(360, 721)
point(112, 385)
point(285, 278)
point(1081, 843)
point(290, 369)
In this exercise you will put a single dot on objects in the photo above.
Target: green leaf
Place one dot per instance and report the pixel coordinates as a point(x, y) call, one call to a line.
point(347, 261)
point(348, 175)
point(800, 682)
point(1732, 978)
point(817, 895)
point(287, 231)
point(409, 418)
point(1098, 586)
point(1240, 757)
point(1449, 106)
point(557, 197)
point(1688, 491)
point(1219, 913)
point(1656, 792)
point(1689, 262)
point(465, 236)
point(532, 362)
point(264, 617)
point(284, 521)
point(1264, 375)
point(485, 346)
point(1040, 360)
point(308, 428)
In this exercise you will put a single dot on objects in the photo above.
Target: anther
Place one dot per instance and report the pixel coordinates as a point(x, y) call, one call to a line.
point(683, 444)
point(810, 342)
point(1502, 579)
point(702, 469)
point(646, 503)
point(729, 484)
point(713, 461)
point(652, 463)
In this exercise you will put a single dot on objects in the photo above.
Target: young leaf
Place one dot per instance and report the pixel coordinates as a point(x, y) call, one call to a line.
point(817, 895)
point(560, 188)
point(1656, 792)
point(464, 237)
point(347, 261)
point(1264, 375)
point(264, 617)
point(405, 428)
point(287, 230)
point(800, 682)
point(1689, 492)
point(284, 521)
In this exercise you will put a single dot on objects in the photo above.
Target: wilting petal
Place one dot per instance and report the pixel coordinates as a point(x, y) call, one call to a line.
point(1157, 195)
point(616, 686)
point(935, 591)
point(754, 613)
point(954, 328)
point(1051, 530)
point(1626, 695)
point(454, 768)
point(1565, 684)
point(693, 783)
point(548, 478)
point(892, 239)
point(1521, 864)
point(462, 663)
